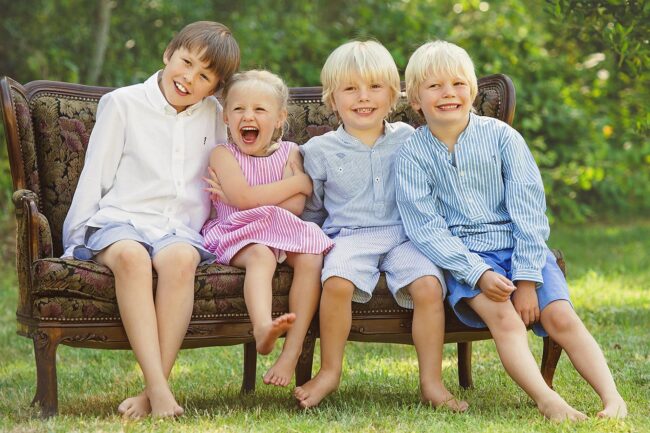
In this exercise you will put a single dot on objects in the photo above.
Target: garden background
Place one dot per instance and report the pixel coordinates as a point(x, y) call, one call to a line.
point(580, 69)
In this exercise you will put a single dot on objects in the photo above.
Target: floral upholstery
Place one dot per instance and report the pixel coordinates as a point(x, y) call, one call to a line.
point(54, 129)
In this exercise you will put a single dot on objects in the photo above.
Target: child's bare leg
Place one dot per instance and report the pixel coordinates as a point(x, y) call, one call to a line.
point(131, 266)
point(510, 337)
point(335, 321)
point(303, 301)
point(428, 337)
point(259, 262)
point(564, 326)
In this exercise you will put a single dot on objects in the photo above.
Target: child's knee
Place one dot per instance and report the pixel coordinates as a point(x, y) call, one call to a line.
point(426, 290)
point(127, 256)
point(555, 318)
point(339, 287)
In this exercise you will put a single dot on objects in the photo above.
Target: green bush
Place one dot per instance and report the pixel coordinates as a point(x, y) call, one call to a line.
point(580, 67)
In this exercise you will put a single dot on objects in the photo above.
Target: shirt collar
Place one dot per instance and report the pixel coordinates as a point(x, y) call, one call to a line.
point(467, 131)
point(343, 135)
point(158, 100)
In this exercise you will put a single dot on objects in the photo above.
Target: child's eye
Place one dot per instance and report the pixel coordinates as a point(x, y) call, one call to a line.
point(377, 86)
point(260, 109)
point(205, 77)
point(348, 88)
point(187, 62)
point(459, 83)
point(434, 85)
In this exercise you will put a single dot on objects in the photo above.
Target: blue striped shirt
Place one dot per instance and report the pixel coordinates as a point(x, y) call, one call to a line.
point(492, 198)
point(354, 184)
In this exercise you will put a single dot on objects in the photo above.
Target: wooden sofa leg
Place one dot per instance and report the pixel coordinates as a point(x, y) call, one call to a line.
point(250, 367)
point(306, 360)
point(465, 364)
point(550, 357)
point(45, 345)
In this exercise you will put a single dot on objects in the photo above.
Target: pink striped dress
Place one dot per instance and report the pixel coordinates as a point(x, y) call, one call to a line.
point(272, 226)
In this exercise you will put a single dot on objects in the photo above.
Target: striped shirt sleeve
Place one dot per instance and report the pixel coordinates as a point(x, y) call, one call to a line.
point(526, 205)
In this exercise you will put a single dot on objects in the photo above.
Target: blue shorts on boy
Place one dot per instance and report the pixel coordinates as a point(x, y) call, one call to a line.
point(359, 255)
point(553, 288)
point(97, 239)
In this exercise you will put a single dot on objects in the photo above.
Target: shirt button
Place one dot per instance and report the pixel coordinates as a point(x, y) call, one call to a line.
point(376, 179)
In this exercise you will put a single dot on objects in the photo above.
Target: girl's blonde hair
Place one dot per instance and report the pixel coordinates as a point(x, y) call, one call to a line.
point(369, 59)
point(438, 58)
point(272, 81)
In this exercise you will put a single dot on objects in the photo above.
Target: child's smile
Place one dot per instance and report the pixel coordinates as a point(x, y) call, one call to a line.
point(362, 107)
point(253, 114)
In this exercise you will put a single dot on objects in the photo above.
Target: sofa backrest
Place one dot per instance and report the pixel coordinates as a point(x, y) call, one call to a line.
point(48, 124)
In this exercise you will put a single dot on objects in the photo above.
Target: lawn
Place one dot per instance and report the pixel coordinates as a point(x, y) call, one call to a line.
point(609, 273)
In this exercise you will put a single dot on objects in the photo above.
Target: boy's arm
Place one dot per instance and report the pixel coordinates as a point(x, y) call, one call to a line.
point(427, 228)
point(236, 191)
point(526, 204)
point(315, 167)
point(103, 156)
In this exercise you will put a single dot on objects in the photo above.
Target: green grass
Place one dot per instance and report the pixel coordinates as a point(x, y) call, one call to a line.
point(609, 273)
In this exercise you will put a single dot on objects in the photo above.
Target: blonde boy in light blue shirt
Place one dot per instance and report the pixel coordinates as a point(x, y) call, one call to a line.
point(354, 198)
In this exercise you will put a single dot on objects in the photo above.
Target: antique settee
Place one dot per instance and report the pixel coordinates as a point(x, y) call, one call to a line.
point(47, 125)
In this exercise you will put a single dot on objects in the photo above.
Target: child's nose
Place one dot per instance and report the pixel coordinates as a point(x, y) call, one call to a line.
point(363, 94)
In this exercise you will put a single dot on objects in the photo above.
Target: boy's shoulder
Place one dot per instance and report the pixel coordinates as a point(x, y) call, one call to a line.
point(315, 143)
point(399, 131)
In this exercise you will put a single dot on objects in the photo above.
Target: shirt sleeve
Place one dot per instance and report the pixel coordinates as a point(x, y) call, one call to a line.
point(426, 228)
point(103, 156)
point(526, 204)
point(315, 167)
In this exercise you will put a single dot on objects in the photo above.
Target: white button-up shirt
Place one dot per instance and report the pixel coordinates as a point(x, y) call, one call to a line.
point(144, 165)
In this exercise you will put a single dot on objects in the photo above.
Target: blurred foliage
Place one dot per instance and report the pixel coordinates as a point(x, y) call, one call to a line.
point(580, 67)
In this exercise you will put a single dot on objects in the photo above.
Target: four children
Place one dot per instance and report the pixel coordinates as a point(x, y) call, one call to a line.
point(464, 189)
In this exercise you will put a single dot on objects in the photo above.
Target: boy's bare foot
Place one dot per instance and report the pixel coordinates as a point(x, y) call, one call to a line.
point(314, 391)
point(281, 372)
point(614, 408)
point(438, 396)
point(556, 409)
point(135, 407)
point(265, 337)
point(163, 403)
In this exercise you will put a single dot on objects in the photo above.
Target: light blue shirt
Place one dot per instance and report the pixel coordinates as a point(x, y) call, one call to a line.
point(354, 184)
point(488, 197)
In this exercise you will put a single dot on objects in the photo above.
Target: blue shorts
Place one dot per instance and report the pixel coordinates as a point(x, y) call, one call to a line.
point(97, 239)
point(553, 288)
point(359, 255)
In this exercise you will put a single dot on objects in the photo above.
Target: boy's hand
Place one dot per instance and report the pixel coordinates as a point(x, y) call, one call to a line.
point(215, 190)
point(525, 301)
point(495, 286)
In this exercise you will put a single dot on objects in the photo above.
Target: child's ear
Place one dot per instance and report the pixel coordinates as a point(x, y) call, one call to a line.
point(166, 56)
point(282, 118)
point(416, 106)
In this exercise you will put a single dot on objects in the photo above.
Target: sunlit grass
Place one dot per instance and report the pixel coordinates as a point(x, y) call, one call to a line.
point(609, 277)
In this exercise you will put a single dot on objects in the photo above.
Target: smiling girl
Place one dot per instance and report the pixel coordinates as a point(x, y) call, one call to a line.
point(260, 189)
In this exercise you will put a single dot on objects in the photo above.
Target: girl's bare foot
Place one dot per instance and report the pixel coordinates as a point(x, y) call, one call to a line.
point(556, 409)
point(614, 408)
point(314, 391)
point(265, 337)
point(135, 407)
point(281, 372)
point(438, 396)
point(163, 403)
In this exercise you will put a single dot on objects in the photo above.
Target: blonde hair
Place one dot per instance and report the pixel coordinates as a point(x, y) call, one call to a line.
point(274, 83)
point(369, 59)
point(217, 44)
point(438, 58)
